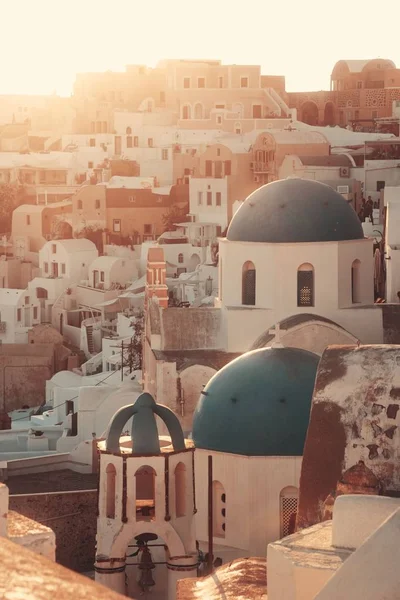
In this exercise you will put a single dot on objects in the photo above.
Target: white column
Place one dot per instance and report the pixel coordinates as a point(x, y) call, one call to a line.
point(110, 572)
point(180, 567)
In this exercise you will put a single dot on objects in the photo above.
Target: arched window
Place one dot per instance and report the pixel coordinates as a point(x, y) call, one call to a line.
point(110, 494)
point(180, 490)
point(288, 500)
point(145, 493)
point(198, 111)
point(186, 112)
point(248, 284)
point(355, 282)
point(305, 285)
point(238, 128)
point(128, 131)
point(180, 258)
point(219, 509)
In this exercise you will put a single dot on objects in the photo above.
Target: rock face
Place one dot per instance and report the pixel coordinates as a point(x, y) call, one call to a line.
point(353, 439)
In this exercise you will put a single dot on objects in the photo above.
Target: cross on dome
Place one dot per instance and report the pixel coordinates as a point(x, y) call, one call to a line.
point(276, 332)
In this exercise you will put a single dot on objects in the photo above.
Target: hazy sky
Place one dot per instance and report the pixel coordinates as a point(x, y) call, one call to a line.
point(43, 43)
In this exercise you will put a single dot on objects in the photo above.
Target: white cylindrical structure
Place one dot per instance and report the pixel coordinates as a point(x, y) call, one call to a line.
point(180, 567)
point(111, 573)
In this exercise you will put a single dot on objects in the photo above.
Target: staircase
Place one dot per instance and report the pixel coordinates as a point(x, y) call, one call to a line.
point(89, 337)
point(283, 109)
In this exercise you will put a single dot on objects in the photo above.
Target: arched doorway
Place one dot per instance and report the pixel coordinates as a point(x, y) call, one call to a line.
point(309, 113)
point(288, 502)
point(329, 114)
point(193, 262)
point(42, 296)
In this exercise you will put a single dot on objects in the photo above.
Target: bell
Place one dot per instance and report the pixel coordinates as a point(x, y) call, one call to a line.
point(146, 565)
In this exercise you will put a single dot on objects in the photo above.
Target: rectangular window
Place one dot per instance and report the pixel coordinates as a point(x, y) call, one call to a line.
point(199, 198)
point(63, 270)
point(359, 85)
point(228, 167)
point(46, 267)
point(28, 219)
point(380, 185)
point(92, 142)
point(209, 198)
point(209, 168)
point(244, 82)
point(186, 82)
point(219, 120)
point(102, 276)
point(136, 141)
point(164, 154)
point(129, 141)
point(305, 288)
point(117, 225)
point(201, 82)
point(218, 198)
point(150, 142)
point(26, 299)
point(35, 312)
point(90, 164)
point(147, 228)
point(257, 111)
point(220, 106)
point(19, 314)
point(220, 82)
point(54, 248)
point(97, 203)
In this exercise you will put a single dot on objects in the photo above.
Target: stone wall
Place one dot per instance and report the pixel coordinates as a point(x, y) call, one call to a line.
point(191, 328)
point(73, 518)
point(353, 438)
point(24, 369)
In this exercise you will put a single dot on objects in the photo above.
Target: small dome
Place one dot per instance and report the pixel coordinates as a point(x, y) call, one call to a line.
point(145, 439)
point(295, 210)
point(258, 405)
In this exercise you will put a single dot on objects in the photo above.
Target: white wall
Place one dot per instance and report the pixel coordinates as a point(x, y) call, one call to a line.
point(392, 202)
point(252, 486)
point(205, 213)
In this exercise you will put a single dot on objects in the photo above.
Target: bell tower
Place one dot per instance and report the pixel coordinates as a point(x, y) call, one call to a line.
point(145, 526)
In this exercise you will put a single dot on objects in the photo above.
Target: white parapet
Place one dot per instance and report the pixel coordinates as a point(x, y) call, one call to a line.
point(356, 517)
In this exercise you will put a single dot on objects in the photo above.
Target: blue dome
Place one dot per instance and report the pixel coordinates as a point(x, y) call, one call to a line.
point(295, 210)
point(258, 405)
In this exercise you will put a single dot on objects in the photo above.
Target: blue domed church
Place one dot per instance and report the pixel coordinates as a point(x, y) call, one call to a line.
point(252, 419)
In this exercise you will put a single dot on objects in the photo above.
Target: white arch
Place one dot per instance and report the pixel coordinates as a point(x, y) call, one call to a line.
point(133, 528)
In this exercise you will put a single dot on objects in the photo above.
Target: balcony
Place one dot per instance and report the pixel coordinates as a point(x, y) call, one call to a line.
point(260, 167)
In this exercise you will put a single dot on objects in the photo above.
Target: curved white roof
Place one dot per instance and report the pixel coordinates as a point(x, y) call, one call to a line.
point(356, 66)
point(340, 137)
point(105, 262)
point(295, 136)
point(10, 297)
point(76, 245)
point(38, 208)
